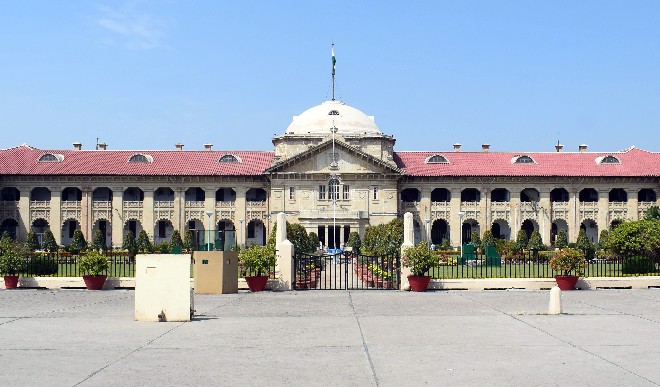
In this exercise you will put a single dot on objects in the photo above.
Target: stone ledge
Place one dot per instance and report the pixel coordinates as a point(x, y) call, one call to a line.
point(110, 283)
point(544, 283)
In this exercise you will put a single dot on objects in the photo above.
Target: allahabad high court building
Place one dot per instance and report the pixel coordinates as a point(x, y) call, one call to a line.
point(333, 171)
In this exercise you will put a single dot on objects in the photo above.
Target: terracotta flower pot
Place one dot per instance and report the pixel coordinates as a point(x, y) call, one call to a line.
point(257, 283)
point(11, 281)
point(566, 282)
point(419, 283)
point(94, 282)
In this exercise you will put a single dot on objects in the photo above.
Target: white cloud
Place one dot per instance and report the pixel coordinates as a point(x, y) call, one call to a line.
point(132, 28)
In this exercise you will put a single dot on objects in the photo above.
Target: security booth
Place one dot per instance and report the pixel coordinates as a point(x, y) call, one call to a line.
point(215, 272)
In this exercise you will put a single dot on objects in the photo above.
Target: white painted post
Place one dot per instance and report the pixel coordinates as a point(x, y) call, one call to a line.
point(555, 301)
point(285, 265)
point(280, 236)
point(408, 241)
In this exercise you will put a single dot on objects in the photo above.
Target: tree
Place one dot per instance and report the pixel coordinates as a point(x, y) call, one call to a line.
point(535, 242)
point(143, 242)
point(32, 242)
point(78, 243)
point(189, 241)
point(521, 240)
point(475, 240)
point(383, 239)
point(297, 235)
point(313, 240)
point(130, 244)
point(354, 241)
point(561, 242)
point(653, 213)
point(176, 241)
point(639, 238)
point(98, 241)
point(488, 239)
point(6, 244)
point(49, 242)
point(602, 239)
point(584, 245)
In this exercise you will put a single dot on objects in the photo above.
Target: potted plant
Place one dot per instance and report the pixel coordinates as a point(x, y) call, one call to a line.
point(93, 266)
point(571, 264)
point(419, 259)
point(12, 261)
point(257, 261)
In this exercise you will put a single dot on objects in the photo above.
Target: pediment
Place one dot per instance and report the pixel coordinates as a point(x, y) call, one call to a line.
point(319, 159)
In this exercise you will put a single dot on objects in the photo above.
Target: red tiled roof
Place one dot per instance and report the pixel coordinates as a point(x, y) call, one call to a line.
point(23, 160)
point(634, 162)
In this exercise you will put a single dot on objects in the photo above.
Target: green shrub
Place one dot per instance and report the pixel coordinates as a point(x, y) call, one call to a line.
point(32, 241)
point(639, 238)
point(568, 262)
point(98, 241)
point(42, 265)
point(257, 260)
point(143, 242)
point(176, 239)
point(163, 247)
point(78, 243)
point(638, 265)
point(561, 242)
point(419, 259)
point(49, 242)
point(584, 245)
point(354, 241)
point(130, 244)
point(383, 239)
point(93, 263)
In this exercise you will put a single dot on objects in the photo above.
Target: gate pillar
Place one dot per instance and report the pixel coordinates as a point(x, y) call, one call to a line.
point(285, 265)
point(408, 241)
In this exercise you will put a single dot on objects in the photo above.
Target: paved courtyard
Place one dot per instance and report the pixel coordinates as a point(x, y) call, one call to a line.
point(386, 338)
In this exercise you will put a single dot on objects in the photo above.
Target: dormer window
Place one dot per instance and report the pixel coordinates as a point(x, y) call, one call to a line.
point(609, 159)
point(437, 159)
point(51, 158)
point(140, 158)
point(333, 113)
point(522, 159)
point(229, 159)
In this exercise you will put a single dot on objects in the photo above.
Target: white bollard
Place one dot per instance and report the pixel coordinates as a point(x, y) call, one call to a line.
point(555, 301)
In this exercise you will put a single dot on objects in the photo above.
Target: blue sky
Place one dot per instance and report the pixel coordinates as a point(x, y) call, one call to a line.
point(147, 74)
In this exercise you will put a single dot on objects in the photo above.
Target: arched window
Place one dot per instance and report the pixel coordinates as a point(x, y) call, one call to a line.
point(609, 159)
point(140, 158)
point(51, 158)
point(523, 159)
point(437, 159)
point(333, 189)
point(229, 159)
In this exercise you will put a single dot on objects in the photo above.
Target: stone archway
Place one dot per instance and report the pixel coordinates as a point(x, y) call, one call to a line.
point(501, 229)
point(439, 232)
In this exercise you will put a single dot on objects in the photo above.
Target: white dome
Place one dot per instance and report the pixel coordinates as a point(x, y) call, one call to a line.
point(321, 118)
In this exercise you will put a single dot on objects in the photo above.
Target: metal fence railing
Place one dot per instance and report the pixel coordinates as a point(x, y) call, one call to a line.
point(536, 265)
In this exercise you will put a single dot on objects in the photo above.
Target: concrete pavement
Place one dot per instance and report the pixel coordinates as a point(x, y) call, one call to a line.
point(386, 338)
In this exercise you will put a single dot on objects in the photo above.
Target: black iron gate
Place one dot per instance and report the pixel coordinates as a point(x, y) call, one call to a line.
point(346, 271)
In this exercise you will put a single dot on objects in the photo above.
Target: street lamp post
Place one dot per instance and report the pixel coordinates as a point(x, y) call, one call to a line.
point(208, 242)
point(460, 230)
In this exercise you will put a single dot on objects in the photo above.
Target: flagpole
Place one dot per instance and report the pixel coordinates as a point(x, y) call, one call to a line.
point(333, 71)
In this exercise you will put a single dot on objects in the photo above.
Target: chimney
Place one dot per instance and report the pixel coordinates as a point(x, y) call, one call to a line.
point(208, 147)
point(457, 147)
point(582, 148)
point(485, 147)
point(77, 146)
point(559, 147)
point(102, 146)
point(179, 146)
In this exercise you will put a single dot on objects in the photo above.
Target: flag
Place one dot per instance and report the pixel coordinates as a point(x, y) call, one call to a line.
point(333, 59)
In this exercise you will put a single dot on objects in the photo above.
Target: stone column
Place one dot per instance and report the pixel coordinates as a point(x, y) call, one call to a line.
point(484, 211)
point(514, 206)
point(179, 217)
point(148, 212)
point(408, 241)
point(209, 205)
point(25, 221)
point(56, 213)
point(86, 214)
point(425, 213)
point(545, 223)
point(280, 236)
point(603, 212)
point(573, 216)
point(241, 213)
point(117, 216)
point(455, 226)
point(633, 204)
